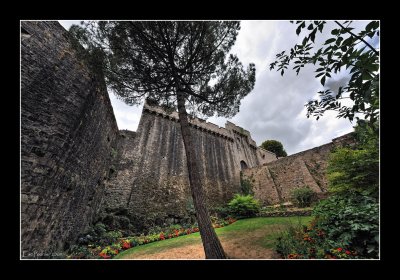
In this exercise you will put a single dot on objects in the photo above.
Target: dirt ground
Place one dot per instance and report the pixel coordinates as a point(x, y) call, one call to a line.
point(235, 248)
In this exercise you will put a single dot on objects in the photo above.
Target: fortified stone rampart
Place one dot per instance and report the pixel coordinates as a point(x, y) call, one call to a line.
point(274, 181)
point(68, 131)
point(151, 184)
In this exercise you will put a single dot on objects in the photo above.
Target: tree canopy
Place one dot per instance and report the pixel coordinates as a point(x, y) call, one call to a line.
point(274, 146)
point(345, 50)
point(153, 59)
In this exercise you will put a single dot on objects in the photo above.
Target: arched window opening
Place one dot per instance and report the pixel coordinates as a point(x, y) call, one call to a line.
point(243, 165)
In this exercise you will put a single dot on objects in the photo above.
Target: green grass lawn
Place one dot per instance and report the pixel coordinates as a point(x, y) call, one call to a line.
point(255, 232)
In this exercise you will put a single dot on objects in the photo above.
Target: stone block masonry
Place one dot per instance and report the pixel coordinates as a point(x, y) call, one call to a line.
point(68, 131)
point(274, 181)
point(151, 186)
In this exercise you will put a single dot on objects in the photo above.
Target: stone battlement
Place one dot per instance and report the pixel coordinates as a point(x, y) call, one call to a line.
point(228, 132)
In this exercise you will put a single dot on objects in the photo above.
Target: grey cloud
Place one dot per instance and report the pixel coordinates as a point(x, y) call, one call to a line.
point(275, 108)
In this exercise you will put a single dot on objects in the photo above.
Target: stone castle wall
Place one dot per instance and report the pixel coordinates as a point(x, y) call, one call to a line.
point(68, 131)
point(151, 185)
point(273, 182)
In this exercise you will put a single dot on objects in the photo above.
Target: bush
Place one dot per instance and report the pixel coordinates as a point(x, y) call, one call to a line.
point(246, 186)
point(351, 215)
point(303, 197)
point(351, 220)
point(221, 211)
point(244, 206)
point(311, 242)
point(357, 169)
point(291, 244)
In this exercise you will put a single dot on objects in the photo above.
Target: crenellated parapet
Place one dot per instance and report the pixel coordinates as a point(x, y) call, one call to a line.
point(195, 123)
point(241, 132)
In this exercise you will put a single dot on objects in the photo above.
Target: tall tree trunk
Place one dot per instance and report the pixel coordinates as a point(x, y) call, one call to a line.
point(212, 246)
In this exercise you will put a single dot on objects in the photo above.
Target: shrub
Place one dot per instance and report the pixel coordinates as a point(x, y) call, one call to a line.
point(311, 242)
point(109, 237)
point(351, 215)
point(290, 243)
point(244, 206)
point(99, 229)
point(246, 186)
point(356, 169)
point(221, 211)
point(351, 220)
point(303, 197)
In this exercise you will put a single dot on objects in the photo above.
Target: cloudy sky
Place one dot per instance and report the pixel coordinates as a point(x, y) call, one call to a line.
point(275, 108)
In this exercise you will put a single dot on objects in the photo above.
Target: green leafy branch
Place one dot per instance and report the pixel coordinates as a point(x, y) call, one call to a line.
point(344, 50)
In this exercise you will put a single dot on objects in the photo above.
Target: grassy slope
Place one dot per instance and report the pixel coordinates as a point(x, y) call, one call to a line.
point(270, 228)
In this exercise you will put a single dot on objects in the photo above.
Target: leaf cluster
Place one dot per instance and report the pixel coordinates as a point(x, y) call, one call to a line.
point(344, 50)
point(275, 147)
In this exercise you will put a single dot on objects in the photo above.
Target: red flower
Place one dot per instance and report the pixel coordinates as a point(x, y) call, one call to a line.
point(104, 255)
point(348, 252)
point(339, 249)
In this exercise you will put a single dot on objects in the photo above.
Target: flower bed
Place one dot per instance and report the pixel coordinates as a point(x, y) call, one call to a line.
point(90, 251)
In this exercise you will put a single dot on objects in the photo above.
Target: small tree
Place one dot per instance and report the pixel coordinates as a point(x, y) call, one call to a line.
point(274, 146)
point(303, 197)
point(179, 65)
point(356, 169)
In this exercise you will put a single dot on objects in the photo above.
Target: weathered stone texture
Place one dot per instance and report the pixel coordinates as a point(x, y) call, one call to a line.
point(68, 131)
point(152, 183)
point(274, 182)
